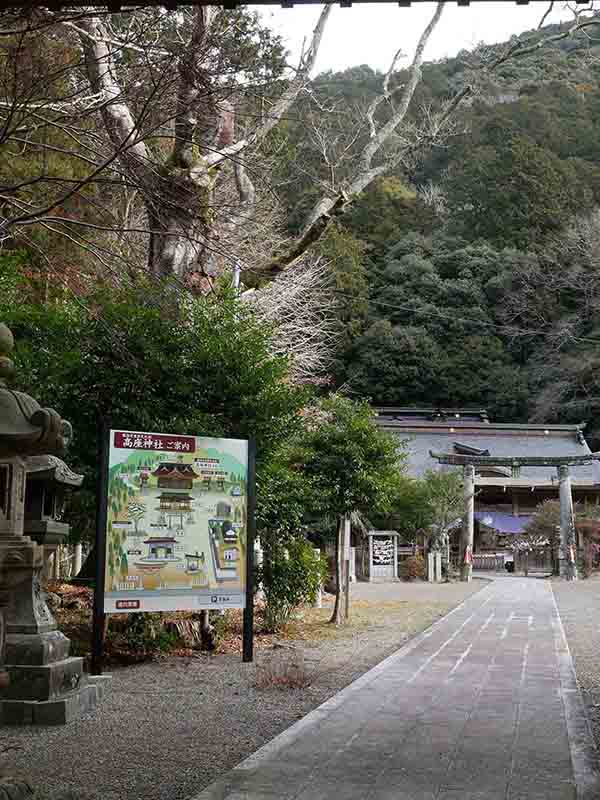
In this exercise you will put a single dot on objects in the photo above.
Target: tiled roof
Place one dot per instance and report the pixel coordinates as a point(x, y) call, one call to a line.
point(500, 439)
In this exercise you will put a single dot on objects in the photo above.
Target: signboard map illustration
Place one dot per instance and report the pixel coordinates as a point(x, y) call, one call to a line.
point(176, 523)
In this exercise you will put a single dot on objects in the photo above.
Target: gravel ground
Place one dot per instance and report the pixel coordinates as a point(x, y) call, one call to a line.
point(579, 607)
point(169, 728)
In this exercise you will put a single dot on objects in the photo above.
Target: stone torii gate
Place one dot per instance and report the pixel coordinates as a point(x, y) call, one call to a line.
point(567, 548)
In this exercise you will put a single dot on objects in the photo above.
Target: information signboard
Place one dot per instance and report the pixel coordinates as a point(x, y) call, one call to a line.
point(176, 522)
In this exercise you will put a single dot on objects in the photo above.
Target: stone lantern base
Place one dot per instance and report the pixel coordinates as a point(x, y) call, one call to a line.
point(45, 685)
point(58, 709)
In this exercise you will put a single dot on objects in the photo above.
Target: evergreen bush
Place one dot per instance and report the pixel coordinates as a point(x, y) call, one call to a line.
point(290, 576)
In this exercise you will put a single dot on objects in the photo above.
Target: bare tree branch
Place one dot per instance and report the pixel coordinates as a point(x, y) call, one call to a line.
point(301, 308)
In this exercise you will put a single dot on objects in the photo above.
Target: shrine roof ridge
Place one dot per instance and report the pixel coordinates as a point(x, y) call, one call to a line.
point(432, 413)
point(484, 427)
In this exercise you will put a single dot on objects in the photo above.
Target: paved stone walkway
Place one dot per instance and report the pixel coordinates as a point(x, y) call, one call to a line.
point(482, 706)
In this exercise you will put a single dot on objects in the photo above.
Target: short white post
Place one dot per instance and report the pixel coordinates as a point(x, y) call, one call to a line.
point(318, 603)
point(353, 565)
point(430, 572)
point(78, 561)
point(48, 570)
point(370, 558)
point(395, 558)
point(56, 570)
point(438, 567)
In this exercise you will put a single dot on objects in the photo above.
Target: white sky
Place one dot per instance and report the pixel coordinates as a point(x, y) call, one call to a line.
point(370, 34)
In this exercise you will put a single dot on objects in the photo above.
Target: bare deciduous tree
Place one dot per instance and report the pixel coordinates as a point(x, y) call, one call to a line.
point(188, 103)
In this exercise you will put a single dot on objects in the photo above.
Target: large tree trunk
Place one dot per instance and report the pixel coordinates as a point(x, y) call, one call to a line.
point(178, 243)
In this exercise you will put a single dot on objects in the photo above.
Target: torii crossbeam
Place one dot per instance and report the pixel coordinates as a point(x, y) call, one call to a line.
point(568, 547)
point(516, 461)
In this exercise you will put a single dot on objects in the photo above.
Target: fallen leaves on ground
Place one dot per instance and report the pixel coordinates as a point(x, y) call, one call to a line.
point(73, 612)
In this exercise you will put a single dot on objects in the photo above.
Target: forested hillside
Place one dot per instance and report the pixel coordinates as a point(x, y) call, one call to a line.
point(472, 274)
point(466, 273)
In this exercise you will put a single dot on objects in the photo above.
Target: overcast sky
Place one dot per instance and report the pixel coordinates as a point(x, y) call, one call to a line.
point(369, 34)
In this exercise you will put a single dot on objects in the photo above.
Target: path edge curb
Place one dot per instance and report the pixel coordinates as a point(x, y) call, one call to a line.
point(582, 745)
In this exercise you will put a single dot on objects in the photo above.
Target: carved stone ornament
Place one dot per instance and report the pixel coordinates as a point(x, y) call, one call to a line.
point(25, 427)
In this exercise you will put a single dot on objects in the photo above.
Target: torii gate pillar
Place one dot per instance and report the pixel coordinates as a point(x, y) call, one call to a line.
point(466, 549)
point(567, 553)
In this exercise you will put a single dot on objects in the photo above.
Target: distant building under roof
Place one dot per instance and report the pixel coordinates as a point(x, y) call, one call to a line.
point(504, 501)
point(469, 432)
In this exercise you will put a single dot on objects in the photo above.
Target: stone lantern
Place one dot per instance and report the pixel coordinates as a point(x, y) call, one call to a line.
point(40, 683)
point(48, 479)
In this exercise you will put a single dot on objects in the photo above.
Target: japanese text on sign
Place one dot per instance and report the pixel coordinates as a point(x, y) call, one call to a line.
point(155, 441)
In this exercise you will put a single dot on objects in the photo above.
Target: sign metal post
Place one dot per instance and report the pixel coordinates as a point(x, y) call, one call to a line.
point(248, 629)
point(101, 514)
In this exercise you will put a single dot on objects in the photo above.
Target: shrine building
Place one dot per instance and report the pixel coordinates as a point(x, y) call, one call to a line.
point(505, 499)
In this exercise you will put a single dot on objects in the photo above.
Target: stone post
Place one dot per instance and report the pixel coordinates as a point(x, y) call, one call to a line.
point(78, 560)
point(466, 549)
point(567, 553)
point(430, 567)
point(56, 572)
point(318, 603)
point(353, 565)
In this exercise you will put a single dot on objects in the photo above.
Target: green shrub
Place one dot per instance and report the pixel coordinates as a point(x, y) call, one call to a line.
point(412, 568)
point(290, 576)
point(221, 626)
point(143, 634)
